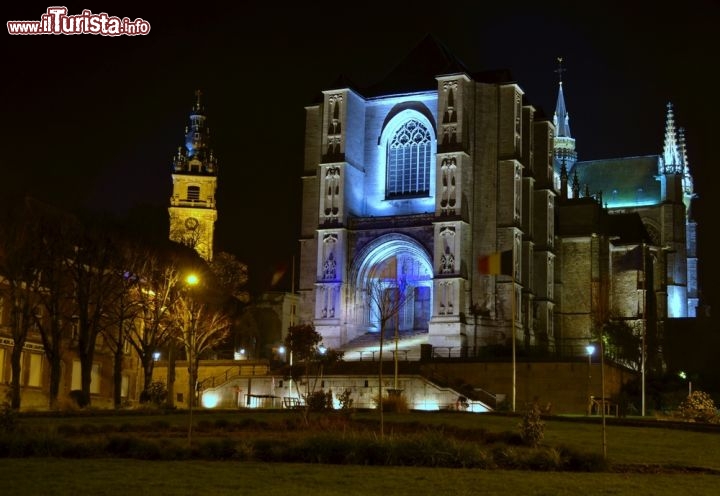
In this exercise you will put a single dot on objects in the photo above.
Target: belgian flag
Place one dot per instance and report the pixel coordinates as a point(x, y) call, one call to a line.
point(497, 263)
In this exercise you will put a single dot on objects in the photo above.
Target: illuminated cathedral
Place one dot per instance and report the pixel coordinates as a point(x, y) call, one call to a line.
point(410, 183)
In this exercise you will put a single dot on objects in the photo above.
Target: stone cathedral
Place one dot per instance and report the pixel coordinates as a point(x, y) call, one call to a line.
point(192, 210)
point(409, 183)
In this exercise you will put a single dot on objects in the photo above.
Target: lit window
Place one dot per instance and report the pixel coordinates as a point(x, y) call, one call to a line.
point(409, 160)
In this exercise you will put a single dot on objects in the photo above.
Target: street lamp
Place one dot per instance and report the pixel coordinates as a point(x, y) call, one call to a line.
point(590, 349)
point(191, 281)
point(684, 376)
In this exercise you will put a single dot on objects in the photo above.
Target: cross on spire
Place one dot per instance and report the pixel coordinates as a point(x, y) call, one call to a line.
point(198, 94)
point(560, 69)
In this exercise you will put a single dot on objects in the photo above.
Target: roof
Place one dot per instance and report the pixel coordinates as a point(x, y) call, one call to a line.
point(585, 216)
point(629, 181)
point(417, 72)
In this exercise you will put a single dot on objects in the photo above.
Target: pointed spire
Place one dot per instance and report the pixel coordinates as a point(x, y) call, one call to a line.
point(563, 143)
point(672, 163)
point(197, 139)
point(198, 108)
point(563, 181)
point(576, 185)
point(687, 180)
point(561, 118)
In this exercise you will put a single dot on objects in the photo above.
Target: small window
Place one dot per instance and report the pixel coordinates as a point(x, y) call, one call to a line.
point(193, 193)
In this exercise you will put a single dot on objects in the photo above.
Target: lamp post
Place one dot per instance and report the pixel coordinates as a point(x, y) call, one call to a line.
point(684, 376)
point(590, 349)
point(191, 280)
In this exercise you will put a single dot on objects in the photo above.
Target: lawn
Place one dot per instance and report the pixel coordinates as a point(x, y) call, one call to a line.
point(693, 456)
point(113, 477)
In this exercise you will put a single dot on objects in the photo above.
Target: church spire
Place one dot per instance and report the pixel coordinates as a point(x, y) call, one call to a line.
point(197, 143)
point(192, 210)
point(563, 143)
point(561, 118)
point(672, 162)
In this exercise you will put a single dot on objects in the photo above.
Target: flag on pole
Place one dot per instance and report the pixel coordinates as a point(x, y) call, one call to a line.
point(497, 263)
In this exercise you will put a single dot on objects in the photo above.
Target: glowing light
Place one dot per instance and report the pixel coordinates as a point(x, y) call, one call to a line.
point(590, 349)
point(156, 356)
point(192, 279)
point(210, 399)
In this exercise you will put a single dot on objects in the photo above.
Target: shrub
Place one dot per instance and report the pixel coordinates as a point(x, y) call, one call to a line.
point(346, 402)
point(698, 407)
point(218, 449)
point(318, 401)
point(8, 418)
point(396, 403)
point(576, 461)
point(135, 447)
point(155, 393)
point(532, 428)
point(547, 459)
point(78, 398)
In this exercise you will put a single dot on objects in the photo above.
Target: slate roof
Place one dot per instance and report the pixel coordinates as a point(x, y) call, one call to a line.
point(628, 181)
point(417, 72)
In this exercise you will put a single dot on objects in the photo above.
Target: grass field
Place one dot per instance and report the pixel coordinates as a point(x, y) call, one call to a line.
point(675, 462)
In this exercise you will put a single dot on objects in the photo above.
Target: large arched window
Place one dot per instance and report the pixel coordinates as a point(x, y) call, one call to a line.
point(409, 161)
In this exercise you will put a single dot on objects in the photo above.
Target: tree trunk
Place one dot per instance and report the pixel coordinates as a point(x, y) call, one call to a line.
point(117, 376)
point(16, 367)
point(55, 369)
point(171, 376)
point(148, 365)
point(86, 366)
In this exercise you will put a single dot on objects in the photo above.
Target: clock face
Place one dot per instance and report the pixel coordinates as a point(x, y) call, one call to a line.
point(191, 223)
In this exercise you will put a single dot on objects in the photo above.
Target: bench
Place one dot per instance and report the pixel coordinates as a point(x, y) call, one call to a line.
point(292, 403)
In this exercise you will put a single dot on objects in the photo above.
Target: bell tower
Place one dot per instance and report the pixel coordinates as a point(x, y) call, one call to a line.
point(192, 210)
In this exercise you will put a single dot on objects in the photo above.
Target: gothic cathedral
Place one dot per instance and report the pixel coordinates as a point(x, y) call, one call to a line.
point(192, 210)
point(408, 184)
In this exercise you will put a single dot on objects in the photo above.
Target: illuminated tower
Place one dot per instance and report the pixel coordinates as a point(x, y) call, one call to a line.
point(192, 209)
point(564, 143)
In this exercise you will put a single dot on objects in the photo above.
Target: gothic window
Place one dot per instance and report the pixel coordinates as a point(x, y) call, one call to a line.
point(409, 161)
point(193, 193)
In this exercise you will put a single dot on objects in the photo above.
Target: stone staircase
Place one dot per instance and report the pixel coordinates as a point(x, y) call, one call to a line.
point(367, 346)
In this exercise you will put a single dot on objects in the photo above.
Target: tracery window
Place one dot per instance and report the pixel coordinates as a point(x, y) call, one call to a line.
point(409, 161)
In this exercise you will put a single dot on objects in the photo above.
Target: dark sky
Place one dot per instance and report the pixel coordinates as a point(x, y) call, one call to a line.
point(92, 122)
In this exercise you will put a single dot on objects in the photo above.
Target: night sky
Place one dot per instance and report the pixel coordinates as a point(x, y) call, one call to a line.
point(93, 122)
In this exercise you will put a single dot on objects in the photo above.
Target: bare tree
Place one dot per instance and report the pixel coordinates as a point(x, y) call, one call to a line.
point(201, 325)
point(157, 290)
point(126, 309)
point(386, 296)
point(231, 275)
point(93, 270)
point(55, 321)
point(21, 277)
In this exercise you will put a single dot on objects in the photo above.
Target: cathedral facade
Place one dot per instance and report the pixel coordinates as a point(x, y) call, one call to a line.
point(409, 185)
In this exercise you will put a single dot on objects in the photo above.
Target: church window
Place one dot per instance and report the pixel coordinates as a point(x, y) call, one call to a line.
point(409, 161)
point(193, 193)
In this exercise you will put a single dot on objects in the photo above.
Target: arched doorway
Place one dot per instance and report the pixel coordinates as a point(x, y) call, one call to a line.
point(399, 266)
